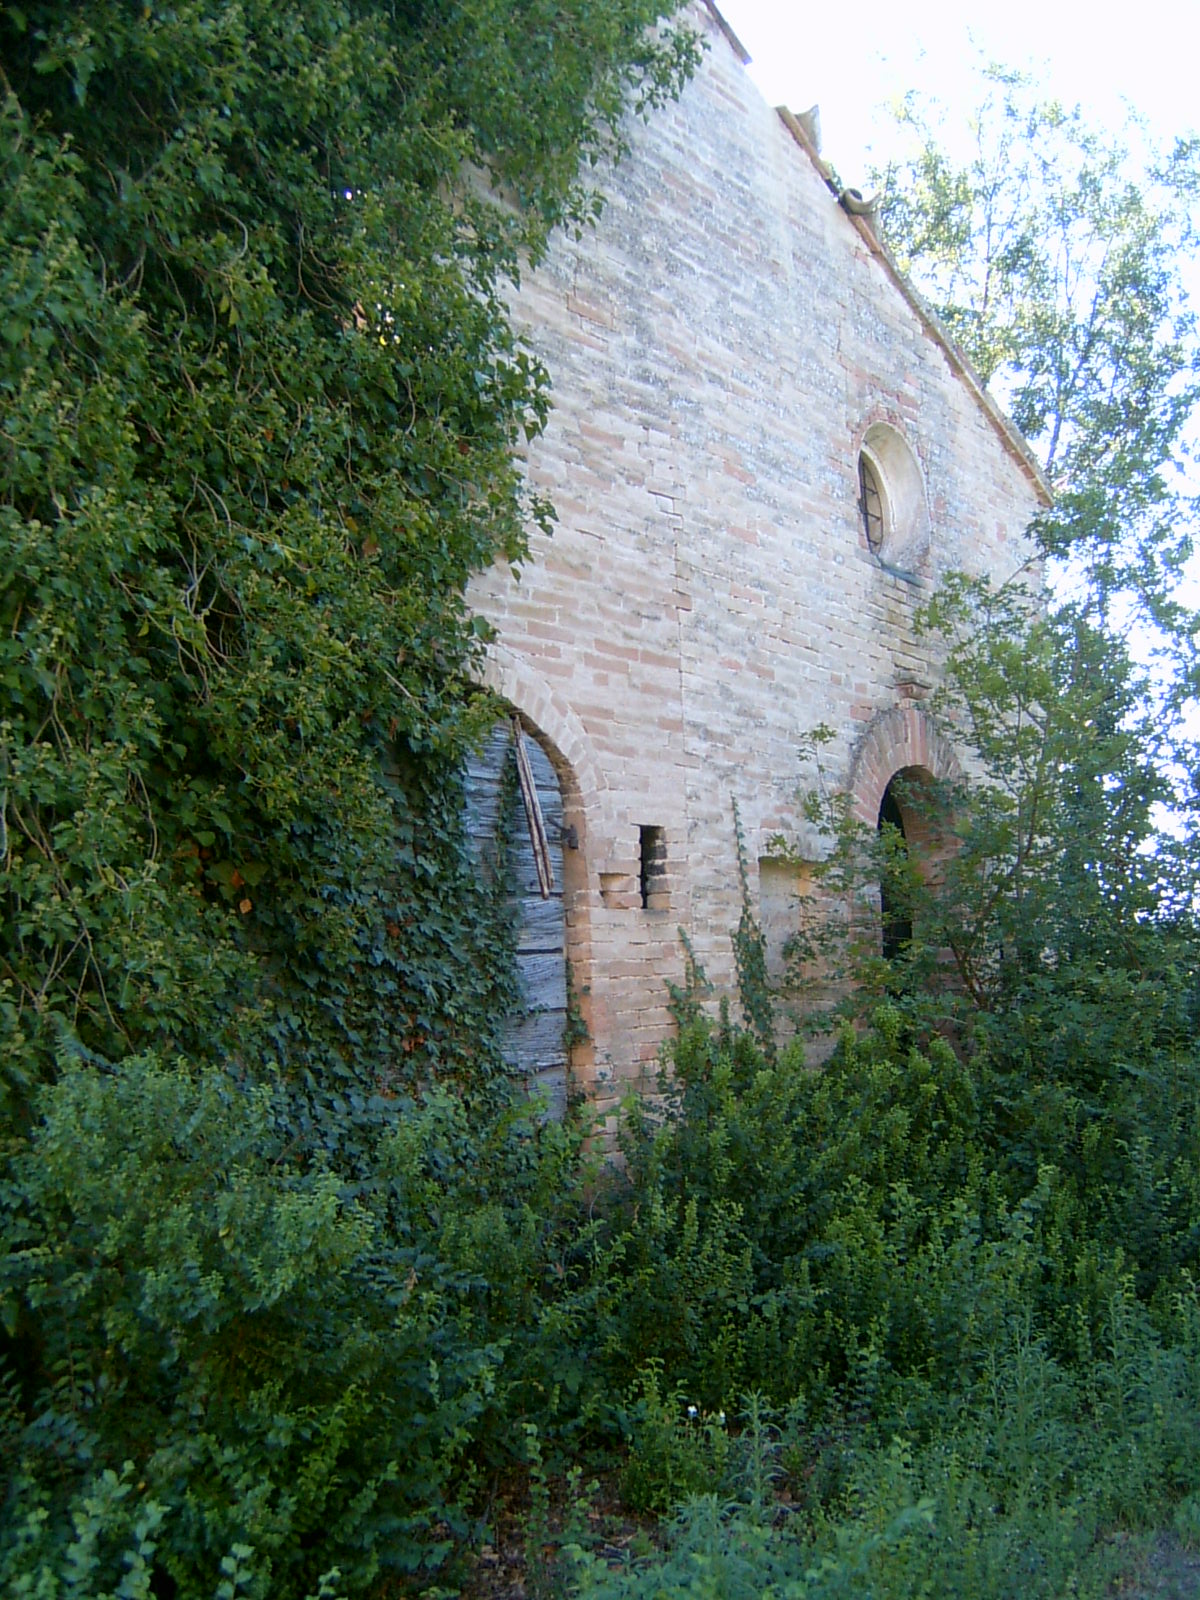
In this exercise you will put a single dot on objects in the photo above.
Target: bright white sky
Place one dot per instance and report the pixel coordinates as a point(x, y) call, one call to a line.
point(852, 58)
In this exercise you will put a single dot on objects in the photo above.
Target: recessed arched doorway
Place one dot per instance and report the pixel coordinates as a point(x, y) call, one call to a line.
point(902, 776)
point(895, 910)
point(910, 826)
point(517, 832)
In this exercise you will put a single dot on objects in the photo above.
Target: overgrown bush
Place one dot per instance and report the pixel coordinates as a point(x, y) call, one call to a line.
point(291, 1367)
point(261, 406)
point(974, 1230)
point(971, 1389)
point(863, 1234)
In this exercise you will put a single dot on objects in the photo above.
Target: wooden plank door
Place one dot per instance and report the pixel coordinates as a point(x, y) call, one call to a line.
point(534, 1042)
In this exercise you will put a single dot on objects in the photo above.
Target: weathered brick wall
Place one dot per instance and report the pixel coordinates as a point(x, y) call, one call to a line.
point(720, 345)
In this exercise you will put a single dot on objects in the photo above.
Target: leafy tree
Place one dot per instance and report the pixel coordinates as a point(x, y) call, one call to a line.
point(261, 401)
point(1054, 918)
point(1059, 859)
point(1057, 255)
point(1053, 251)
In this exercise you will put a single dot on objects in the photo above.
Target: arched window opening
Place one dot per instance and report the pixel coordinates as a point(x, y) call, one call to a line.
point(870, 505)
point(894, 903)
point(893, 512)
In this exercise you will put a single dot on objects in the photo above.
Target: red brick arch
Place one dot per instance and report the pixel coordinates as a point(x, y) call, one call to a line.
point(551, 719)
point(587, 810)
point(900, 740)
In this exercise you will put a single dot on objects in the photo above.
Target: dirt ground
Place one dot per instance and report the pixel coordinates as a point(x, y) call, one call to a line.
point(1166, 1571)
point(512, 1566)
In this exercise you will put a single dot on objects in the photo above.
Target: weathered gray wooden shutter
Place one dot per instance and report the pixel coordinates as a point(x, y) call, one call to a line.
point(534, 1039)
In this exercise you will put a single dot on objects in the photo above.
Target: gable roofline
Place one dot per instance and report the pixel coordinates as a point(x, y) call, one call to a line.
point(862, 218)
point(739, 49)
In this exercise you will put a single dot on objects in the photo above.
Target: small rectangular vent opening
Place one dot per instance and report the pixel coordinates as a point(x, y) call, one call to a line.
point(653, 868)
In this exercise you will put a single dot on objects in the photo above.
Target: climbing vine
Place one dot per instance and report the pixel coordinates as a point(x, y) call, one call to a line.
point(260, 408)
point(261, 399)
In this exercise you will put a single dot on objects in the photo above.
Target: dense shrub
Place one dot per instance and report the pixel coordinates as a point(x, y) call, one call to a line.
point(864, 1231)
point(974, 1230)
point(963, 1378)
point(289, 1365)
point(261, 409)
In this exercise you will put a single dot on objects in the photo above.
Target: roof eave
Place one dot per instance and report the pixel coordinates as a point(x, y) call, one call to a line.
point(739, 48)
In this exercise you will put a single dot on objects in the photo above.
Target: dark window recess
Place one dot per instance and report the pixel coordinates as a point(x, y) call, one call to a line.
point(870, 504)
point(653, 866)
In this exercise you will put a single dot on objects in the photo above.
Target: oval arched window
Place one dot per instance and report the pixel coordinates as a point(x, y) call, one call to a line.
point(870, 505)
point(893, 511)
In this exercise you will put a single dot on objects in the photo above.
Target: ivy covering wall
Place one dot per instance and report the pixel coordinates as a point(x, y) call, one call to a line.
point(261, 405)
point(260, 416)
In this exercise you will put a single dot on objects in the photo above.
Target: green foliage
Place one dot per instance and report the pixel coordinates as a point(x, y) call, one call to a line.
point(237, 1327)
point(897, 1541)
point(109, 1515)
point(1054, 938)
point(961, 1258)
point(1013, 1495)
point(311, 1371)
point(261, 399)
point(1054, 253)
point(676, 1451)
point(986, 1378)
point(750, 955)
point(261, 407)
point(1056, 859)
point(807, 1233)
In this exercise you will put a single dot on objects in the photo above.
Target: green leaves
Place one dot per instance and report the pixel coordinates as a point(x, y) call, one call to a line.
point(1062, 872)
point(226, 1316)
point(1055, 253)
point(1066, 900)
point(259, 404)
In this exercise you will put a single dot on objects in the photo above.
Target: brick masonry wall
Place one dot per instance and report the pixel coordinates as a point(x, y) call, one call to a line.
point(719, 345)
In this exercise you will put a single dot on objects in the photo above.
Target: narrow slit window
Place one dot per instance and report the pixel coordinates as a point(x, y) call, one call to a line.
point(653, 868)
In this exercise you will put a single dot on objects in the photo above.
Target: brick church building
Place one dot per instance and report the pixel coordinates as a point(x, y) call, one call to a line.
point(764, 452)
